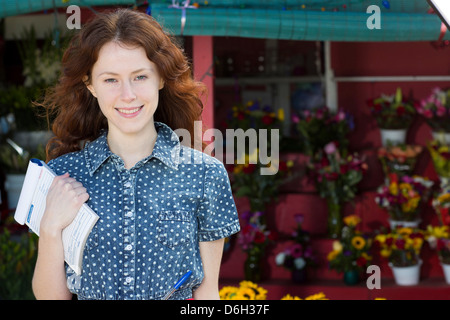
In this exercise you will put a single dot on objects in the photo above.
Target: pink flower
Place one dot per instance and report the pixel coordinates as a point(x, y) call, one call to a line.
point(330, 148)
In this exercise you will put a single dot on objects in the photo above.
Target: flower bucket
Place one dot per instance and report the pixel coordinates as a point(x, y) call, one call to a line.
point(406, 276)
point(351, 277)
point(441, 136)
point(446, 269)
point(393, 136)
point(407, 224)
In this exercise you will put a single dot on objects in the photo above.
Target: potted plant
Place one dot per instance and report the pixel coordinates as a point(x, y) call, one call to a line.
point(254, 239)
point(440, 156)
point(394, 115)
point(441, 203)
point(336, 178)
point(438, 237)
point(402, 247)
point(402, 196)
point(399, 159)
point(435, 109)
point(351, 252)
point(320, 126)
point(299, 256)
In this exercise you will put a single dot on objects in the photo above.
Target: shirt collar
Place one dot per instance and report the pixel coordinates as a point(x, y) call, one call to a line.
point(167, 149)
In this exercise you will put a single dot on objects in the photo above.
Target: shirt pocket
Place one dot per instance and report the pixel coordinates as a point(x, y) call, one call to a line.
point(173, 228)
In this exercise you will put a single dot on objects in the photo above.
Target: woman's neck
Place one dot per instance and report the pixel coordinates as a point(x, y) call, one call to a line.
point(133, 147)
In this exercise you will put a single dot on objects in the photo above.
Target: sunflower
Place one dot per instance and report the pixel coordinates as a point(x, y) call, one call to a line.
point(358, 242)
point(228, 293)
point(260, 292)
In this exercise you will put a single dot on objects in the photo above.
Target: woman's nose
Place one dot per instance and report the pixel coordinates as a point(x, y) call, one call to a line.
point(127, 93)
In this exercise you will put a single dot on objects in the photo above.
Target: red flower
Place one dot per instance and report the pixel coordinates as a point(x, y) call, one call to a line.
point(400, 243)
point(267, 120)
point(259, 237)
point(361, 261)
point(401, 110)
point(249, 168)
point(241, 115)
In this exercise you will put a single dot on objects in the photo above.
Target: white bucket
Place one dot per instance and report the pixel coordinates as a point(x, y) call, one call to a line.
point(407, 276)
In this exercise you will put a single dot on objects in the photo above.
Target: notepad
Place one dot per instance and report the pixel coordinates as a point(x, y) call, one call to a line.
point(31, 208)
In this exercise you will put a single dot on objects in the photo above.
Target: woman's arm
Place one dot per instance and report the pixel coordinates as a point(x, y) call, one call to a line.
point(211, 254)
point(64, 200)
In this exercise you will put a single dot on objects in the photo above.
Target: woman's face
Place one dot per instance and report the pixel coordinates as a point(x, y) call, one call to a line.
point(126, 84)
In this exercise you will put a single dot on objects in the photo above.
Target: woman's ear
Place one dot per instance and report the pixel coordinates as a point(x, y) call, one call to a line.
point(89, 86)
point(161, 83)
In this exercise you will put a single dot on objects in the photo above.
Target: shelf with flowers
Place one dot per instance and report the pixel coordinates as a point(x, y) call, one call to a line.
point(402, 247)
point(402, 197)
point(336, 178)
point(438, 237)
point(299, 256)
point(435, 109)
point(351, 252)
point(394, 115)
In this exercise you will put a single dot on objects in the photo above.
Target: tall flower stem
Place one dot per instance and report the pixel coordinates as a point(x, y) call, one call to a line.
point(334, 218)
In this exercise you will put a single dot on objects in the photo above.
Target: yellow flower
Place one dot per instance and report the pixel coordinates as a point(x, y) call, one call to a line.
point(337, 246)
point(260, 292)
point(228, 292)
point(385, 253)
point(393, 188)
point(317, 296)
point(245, 293)
point(281, 114)
point(332, 255)
point(289, 297)
point(352, 220)
point(358, 242)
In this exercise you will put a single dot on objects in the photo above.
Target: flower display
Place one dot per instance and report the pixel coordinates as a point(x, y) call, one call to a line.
point(316, 296)
point(254, 115)
point(260, 189)
point(440, 155)
point(402, 246)
point(399, 159)
point(392, 111)
point(320, 126)
point(247, 290)
point(352, 250)
point(299, 254)
point(401, 196)
point(438, 237)
point(441, 204)
point(337, 177)
point(436, 109)
point(254, 235)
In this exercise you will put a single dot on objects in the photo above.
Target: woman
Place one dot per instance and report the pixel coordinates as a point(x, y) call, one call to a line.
point(124, 89)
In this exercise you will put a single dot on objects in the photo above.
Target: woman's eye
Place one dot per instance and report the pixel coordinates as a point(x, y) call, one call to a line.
point(110, 80)
point(141, 77)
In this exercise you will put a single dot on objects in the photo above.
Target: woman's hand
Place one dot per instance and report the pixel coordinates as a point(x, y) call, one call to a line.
point(64, 199)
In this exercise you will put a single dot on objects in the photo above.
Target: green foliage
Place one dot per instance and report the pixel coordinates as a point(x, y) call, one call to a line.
point(17, 260)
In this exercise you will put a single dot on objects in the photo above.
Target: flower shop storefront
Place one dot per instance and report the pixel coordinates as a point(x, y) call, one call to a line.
point(322, 225)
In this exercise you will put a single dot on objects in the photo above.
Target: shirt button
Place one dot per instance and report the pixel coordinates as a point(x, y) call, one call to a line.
point(128, 279)
point(128, 247)
point(129, 214)
point(127, 184)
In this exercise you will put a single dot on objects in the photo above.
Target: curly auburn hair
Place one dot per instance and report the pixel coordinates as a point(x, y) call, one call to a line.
point(77, 115)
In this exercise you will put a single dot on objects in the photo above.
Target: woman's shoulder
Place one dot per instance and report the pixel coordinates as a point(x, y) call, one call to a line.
point(67, 160)
point(202, 161)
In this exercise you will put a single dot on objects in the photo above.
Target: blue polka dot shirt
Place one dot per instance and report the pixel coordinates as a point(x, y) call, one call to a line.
point(152, 218)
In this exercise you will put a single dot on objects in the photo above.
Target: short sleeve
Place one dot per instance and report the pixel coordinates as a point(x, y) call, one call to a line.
point(217, 215)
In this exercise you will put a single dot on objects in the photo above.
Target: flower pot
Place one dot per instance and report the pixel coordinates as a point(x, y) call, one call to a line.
point(406, 276)
point(253, 267)
point(407, 224)
point(393, 136)
point(351, 277)
point(13, 187)
point(299, 275)
point(441, 136)
point(446, 269)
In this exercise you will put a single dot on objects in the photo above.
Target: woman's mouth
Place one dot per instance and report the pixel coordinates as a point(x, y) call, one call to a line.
point(129, 112)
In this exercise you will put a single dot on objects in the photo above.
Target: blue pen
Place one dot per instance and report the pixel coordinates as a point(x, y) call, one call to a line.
point(177, 285)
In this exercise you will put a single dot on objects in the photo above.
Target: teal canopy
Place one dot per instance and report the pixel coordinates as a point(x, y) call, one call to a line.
point(334, 20)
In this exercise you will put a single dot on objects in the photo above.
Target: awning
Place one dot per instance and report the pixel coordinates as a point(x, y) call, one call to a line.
point(334, 20)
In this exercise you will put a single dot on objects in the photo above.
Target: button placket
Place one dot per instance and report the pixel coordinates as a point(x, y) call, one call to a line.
point(129, 240)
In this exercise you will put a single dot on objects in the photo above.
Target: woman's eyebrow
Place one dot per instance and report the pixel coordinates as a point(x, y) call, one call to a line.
point(116, 74)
